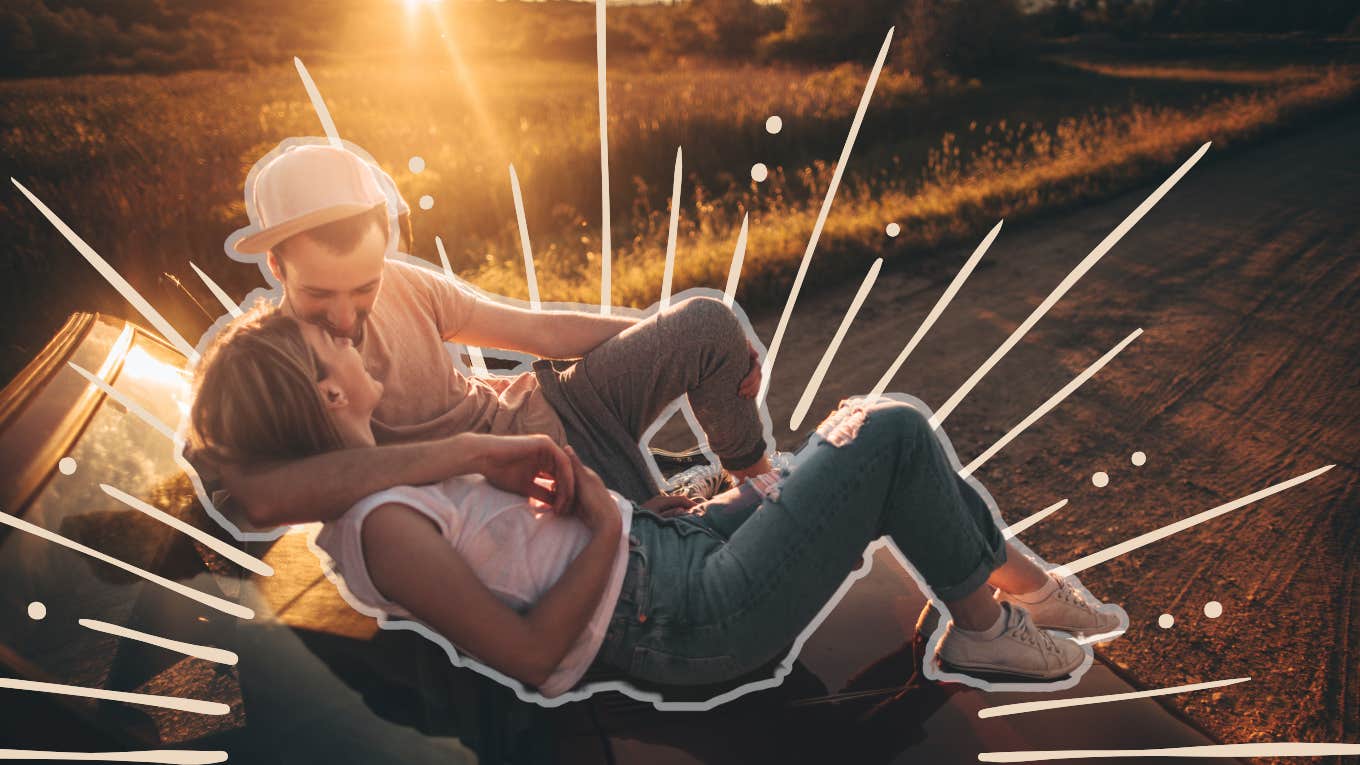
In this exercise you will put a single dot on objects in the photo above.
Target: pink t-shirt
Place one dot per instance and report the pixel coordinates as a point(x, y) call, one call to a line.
point(424, 394)
point(516, 553)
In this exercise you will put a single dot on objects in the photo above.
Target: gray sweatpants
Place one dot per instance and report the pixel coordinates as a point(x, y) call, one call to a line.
point(606, 400)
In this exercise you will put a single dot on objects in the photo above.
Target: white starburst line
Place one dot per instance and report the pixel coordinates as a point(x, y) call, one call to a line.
point(218, 292)
point(605, 255)
point(155, 756)
point(205, 652)
point(1276, 749)
point(1047, 406)
point(212, 601)
point(1011, 531)
point(738, 257)
point(318, 104)
point(227, 551)
point(145, 699)
point(821, 219)
point(529, 274)
point(474, 353)
point(935, 312)
point(112, 276)
point(132, 406)
point(1036, 706)
point(1071, 279)
point(1095, 559)
point(672, 233)
point(815, 382)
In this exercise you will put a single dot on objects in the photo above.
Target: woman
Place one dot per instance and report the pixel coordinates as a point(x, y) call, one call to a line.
point(690, 599)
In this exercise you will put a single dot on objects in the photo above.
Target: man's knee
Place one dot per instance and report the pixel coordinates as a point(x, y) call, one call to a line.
point(708, 318)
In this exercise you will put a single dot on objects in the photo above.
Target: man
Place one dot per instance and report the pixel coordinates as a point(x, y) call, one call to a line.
point(321, 220)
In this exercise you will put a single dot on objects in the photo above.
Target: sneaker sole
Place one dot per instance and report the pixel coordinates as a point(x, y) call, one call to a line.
point(1079, 631)
point(993, 675)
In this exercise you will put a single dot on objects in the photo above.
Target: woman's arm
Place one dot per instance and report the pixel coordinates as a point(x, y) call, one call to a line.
point(412, 564)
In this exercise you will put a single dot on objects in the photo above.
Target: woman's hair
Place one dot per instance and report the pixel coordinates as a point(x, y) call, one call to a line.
point(255, 396)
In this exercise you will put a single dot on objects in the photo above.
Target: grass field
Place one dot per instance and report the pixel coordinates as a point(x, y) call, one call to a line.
point(149, 169)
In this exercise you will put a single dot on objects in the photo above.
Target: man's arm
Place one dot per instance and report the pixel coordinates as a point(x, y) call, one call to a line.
point(323, 487)
point(546, 334)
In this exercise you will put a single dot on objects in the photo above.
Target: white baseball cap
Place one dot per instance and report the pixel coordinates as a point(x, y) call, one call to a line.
point(308, 186)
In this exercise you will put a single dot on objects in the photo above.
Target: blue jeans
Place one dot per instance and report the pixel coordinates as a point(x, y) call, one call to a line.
point(699, 608)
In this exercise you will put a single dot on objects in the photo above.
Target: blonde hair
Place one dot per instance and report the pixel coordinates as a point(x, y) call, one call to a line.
point(255, 396)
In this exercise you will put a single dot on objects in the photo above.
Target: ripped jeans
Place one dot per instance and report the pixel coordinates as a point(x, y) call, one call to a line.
point(699, 608)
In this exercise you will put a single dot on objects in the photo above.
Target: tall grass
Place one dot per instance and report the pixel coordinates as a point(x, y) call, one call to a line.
point(150, 169)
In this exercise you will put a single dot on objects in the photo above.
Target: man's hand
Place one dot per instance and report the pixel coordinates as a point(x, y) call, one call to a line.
point(666, 505)
point(532, 465)
point(750, 385)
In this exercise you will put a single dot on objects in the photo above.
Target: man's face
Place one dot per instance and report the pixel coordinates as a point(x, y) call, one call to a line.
point(330, 289)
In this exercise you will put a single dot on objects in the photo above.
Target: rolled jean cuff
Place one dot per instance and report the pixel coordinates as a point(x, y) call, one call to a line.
point(733, 464)
point(990, 562)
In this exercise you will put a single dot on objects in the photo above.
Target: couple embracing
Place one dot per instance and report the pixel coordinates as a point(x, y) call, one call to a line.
point(518, 516)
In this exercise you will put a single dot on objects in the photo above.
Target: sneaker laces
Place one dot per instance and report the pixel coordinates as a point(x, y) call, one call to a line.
point(699, 483)
point(1068, 594)
point(705, 480)
point(1025, 631)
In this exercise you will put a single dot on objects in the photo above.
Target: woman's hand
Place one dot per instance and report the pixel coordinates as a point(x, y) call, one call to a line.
point(750, 384)
point(595, 506)
point(533, 466)
point(667, 505)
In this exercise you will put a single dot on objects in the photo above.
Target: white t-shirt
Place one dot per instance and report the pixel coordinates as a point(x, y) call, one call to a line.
point(517, 554)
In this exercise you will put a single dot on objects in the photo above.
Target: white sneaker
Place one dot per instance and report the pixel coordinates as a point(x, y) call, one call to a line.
point(1022, 650)
point(1067, 610)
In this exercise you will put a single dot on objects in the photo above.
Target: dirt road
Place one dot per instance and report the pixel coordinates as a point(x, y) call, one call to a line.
point(1246, 281)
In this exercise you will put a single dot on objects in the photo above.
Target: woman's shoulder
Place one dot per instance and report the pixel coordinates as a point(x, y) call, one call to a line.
point(428, 500)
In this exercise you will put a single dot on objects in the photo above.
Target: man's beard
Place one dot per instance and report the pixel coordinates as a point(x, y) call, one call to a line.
point(360, 321)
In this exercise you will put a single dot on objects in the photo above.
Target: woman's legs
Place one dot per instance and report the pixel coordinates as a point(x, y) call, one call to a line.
point(867, 473)
point(1018, 575)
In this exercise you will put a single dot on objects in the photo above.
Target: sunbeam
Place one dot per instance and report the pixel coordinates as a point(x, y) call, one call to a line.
point(111, 275)
point(212, 601)
point(935, 312)
point(218, 292)
point(672, 232)
point(529, 275)
point(815, 382)
point(773, 352)
point(1036, 706)
point(738, 256)
point(474, 352)
point(1053, 401)
point(1095, 559)
point(230, 552)
point(204, 652)
point(1071, 279)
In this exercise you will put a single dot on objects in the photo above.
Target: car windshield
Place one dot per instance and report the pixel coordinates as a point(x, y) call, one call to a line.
point(119, 449)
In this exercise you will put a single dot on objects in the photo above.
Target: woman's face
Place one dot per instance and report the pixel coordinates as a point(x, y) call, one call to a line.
point(343, 369)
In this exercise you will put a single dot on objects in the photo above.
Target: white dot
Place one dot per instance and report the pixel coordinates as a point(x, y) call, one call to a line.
point(774, 124)
point(759, 172)
point(1213, 609)
point(1100, 479)
point(426, 202)
point(893, 229)
point(36, 610)
point(66, 465)
point(1138, 459)
point(417, 164)
point(1165, 621)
